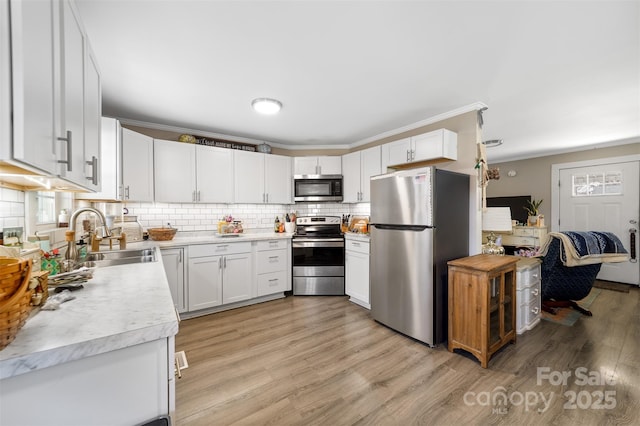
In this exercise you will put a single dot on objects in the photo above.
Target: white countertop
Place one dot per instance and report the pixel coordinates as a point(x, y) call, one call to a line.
point(120, 306)
point(357, 237)
point(208, 237)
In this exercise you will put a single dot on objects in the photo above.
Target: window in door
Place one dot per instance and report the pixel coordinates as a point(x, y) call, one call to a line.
point(597, 184)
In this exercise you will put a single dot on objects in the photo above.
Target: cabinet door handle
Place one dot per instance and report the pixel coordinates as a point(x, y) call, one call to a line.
point(413, 154)
point(68, 161)
point(225, 263)
point(535, 291)
point(220, 263)
point(126, 192)
point(94, 170)
point(198, 195)
point(408, 155)
point(535, 310)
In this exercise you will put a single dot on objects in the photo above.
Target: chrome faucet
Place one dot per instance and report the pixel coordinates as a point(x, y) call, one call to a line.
point(104, 233)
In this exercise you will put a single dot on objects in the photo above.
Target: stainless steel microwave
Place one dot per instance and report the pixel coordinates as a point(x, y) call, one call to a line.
point(317, 188)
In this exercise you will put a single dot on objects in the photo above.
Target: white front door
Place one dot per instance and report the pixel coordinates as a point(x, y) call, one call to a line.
point(603, 197)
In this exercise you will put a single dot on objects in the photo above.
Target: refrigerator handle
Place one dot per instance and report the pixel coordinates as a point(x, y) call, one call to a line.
point(412, 228)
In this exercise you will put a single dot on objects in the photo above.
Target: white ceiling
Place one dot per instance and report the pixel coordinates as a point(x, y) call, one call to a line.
point(555, 75)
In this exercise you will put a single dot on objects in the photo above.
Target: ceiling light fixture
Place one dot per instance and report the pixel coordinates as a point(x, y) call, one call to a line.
point(266, 106)
point(492, 143)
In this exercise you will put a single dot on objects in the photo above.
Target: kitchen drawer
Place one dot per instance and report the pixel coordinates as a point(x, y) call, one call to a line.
point(357, 246)
point(271, 261)
point(202, 250)
point(272, 244)
point(272, 283)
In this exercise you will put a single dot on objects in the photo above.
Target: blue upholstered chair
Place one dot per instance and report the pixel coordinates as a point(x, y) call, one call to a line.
point(563, 285)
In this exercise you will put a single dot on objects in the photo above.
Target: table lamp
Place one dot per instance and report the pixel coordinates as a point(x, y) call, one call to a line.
point(495, 219)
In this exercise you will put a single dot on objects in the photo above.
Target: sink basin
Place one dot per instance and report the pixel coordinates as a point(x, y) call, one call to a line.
point(119, 257)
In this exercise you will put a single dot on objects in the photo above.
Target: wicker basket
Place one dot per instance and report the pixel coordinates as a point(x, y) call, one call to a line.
point(162, 234)
point(15, 303)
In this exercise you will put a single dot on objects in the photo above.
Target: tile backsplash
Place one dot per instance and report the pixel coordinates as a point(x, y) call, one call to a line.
point(204, 217)
point(186, 217)
point(12, 208)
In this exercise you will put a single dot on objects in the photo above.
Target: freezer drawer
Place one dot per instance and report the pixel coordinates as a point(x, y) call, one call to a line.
point(402, 285)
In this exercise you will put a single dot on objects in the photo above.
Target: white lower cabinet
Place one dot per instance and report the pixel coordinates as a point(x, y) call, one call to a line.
point(273, 266)
point(356, 261)
point(528, 294)
point(219, 274)
point(127, 386)
point(173, 260)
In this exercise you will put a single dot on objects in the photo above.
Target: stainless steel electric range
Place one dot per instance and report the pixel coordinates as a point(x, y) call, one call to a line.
point(318, 256)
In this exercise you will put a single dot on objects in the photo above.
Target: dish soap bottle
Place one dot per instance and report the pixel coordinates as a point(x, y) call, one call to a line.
point(71, 255)
point(276, 225)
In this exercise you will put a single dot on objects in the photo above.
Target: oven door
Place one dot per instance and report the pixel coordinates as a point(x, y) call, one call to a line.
point(318, 266)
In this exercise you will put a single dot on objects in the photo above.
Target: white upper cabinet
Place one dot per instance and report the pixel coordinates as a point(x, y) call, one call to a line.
point(137, 167)
point(249, 177)
point(32, 76)
point(71, 127)
point(174, 171)
point(357, 168)
point(110, 170)
point(437, 145)
point(192, 173)
point(277, 179)
point(92, 123)
point(55, 85)
point(214, 174)
point(323, 165)
point(262, 178)
point(397, 152)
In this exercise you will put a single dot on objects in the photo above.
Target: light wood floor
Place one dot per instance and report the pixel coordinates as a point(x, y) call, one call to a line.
point(324, 361)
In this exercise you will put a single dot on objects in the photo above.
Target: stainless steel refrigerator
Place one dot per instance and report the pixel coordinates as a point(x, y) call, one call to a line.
point(419, 221)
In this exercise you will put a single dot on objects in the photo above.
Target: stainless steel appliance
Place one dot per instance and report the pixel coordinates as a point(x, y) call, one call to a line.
point(317, 188)
point(419, 221)
point(318, 256)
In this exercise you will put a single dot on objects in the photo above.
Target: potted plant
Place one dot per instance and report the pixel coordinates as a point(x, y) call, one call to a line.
point(532, 209)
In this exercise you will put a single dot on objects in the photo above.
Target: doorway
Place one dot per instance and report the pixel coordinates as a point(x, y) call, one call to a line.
point(601, 195)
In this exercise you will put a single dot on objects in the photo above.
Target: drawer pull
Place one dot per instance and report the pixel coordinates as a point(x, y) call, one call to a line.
point(273, 282)
point(535, 310)
point(535, 291)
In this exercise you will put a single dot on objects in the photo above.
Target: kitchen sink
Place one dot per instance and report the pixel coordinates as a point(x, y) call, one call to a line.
point(119, 257)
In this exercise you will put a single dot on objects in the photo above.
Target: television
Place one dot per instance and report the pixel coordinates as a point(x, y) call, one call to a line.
point(516, 203)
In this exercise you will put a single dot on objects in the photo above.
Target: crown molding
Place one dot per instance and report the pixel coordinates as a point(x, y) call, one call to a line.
point(440, 117)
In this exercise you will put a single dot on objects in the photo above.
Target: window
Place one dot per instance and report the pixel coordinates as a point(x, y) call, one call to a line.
point(46, 202)
point(597, 184)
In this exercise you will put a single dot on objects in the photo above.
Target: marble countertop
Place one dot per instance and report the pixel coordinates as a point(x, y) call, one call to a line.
point(120, 306)
point(208, 237)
